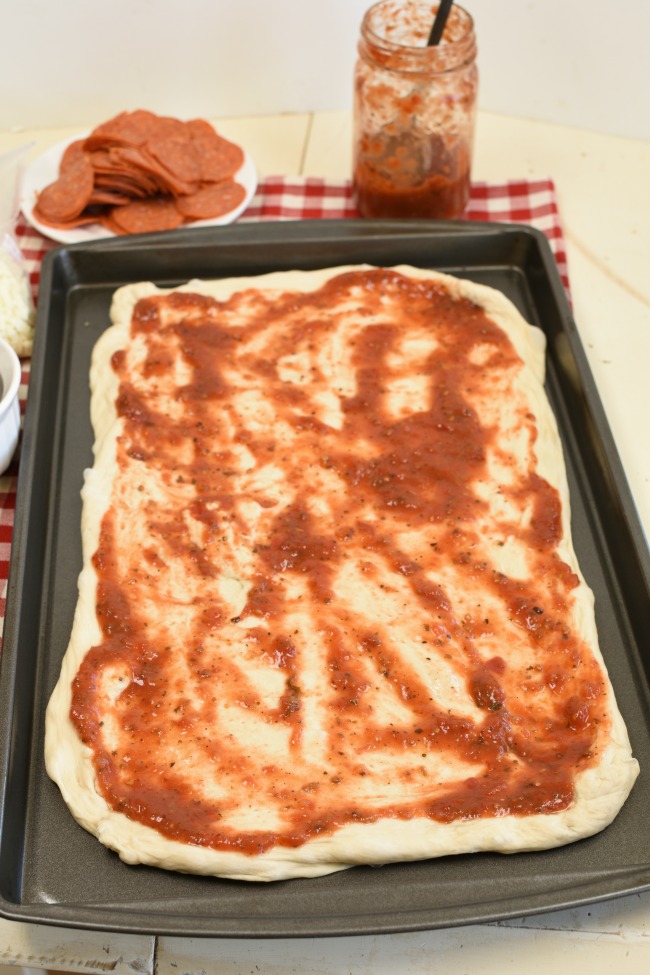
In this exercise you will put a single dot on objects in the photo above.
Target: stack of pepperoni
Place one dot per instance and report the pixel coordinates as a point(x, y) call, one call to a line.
point(140, 172)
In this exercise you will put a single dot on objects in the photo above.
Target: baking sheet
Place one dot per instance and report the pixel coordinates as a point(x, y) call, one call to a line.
point(51, 870)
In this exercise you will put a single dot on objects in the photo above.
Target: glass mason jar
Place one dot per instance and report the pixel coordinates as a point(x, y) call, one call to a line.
point(414, 112)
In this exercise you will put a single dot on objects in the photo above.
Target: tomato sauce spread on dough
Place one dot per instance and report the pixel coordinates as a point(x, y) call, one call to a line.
point(329, 586)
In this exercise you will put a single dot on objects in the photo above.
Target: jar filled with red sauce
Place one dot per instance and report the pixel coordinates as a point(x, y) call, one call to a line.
point(414, 112)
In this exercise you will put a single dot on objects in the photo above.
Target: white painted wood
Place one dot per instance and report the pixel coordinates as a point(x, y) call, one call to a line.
point(36, 946)
point(474, 950)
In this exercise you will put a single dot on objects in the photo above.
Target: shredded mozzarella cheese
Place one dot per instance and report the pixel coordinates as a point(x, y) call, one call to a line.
point(16, 306)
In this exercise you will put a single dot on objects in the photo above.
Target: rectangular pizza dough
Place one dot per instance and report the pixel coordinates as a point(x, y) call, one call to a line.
point(330, 612)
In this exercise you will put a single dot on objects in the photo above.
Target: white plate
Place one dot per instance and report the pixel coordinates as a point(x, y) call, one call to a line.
point(45, 169)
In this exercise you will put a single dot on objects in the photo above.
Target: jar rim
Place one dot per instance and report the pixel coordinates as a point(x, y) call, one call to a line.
point(444, 54)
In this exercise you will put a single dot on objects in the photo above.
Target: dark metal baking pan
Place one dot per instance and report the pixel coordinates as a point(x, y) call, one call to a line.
point(51, 870)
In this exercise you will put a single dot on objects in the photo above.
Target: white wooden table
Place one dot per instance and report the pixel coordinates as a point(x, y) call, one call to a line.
point(604, 199)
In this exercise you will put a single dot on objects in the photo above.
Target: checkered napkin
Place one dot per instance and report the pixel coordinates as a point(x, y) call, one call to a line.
point(301, 198)
point(529, 202)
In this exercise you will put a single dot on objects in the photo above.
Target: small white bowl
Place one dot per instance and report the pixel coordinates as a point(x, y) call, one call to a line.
point(9, 405)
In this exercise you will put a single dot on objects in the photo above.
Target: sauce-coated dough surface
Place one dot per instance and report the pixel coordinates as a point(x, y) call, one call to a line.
point(330, 611)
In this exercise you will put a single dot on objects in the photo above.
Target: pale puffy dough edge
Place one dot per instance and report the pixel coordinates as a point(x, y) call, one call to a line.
point(600, 791)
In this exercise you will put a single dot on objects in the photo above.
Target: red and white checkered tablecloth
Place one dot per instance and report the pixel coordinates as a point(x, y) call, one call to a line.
point(531, 202)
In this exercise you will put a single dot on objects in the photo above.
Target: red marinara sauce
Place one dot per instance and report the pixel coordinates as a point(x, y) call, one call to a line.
point(307, 614)
point(438, 196)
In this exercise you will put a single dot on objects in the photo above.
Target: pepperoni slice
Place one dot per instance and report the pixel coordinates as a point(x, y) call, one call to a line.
point(220, 159)
point(106, 220)
point(126, 129)
point(117, 166)
point(211, 201)
point(90, 215)
point(147, 216)
point(69, 194)
point(74, 150)
point(178, 155)
point(121, 184)
point(142, 161)
point(109, 197)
